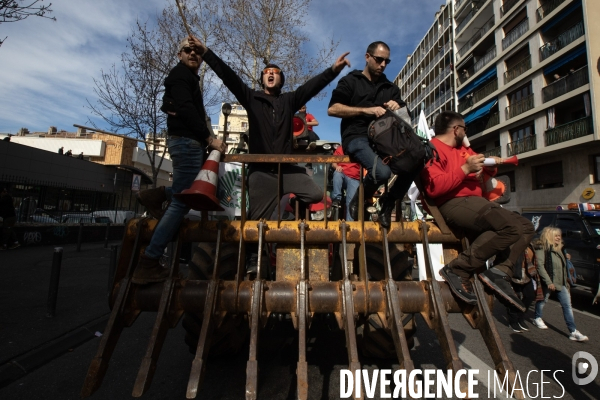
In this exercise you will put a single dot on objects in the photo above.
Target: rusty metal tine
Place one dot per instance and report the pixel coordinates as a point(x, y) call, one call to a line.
point(364, 275)
point(439, 315)
point(114, 327)
point(255, 315)
point(203, 348)
point(157, 339)
point(395, 313)
point(159, 331)
point(491, 337)
point(302, 307)
point(241, 265)
point(243, 213)
point(325, 174)
point(361, 198)
point(348, 311)
point(279, 195)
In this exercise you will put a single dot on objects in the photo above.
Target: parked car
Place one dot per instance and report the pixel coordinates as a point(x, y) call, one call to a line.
point(581, 235)
point(85, 218)
point(116, 216)
point(41, 217)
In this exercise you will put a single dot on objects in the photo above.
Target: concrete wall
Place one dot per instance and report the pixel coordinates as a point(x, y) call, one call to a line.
point(577, 169)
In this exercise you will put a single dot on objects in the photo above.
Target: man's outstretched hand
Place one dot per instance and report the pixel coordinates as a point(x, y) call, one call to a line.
point(197, 45)
point(340, 63)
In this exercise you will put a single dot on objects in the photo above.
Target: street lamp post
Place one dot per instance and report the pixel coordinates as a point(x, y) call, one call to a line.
point(226, 110)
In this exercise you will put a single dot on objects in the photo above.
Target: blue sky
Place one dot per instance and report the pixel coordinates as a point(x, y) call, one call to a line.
point(47, 68)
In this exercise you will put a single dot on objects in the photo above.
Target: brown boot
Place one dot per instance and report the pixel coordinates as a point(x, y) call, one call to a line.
point(153, 200)
point(149, 270)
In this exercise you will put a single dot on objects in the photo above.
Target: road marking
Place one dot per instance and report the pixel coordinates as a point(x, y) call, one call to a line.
point(477, 363)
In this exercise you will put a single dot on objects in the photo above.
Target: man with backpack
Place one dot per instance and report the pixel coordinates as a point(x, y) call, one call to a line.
point(453, 181)
point(359, 98)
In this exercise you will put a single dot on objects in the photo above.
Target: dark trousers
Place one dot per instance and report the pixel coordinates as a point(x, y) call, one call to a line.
point(491, 230)
point(262, 190)
point(527, 294)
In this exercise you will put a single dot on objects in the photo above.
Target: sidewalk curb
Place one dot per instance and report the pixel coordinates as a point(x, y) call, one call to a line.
point(22, 365)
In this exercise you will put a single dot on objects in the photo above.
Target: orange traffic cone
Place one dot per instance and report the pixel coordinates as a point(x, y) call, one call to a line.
point(201, 196)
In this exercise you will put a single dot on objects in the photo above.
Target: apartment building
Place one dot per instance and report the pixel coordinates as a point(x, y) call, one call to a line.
point(237, 124)
point(526, 78)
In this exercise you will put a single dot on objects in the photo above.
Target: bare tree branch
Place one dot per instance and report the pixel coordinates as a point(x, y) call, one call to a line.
point(18, 10)
point(129, 97)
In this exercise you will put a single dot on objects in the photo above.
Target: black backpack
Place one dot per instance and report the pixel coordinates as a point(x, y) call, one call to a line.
point(399, 147)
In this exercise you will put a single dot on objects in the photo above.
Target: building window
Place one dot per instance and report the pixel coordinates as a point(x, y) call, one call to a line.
point(548, 176)
point(522, 132)
point(244, 125)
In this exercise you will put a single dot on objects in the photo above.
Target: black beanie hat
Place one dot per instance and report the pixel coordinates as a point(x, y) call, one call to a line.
point(272, 66)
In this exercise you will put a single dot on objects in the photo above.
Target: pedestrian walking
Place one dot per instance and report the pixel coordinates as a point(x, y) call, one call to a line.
point(552, 267)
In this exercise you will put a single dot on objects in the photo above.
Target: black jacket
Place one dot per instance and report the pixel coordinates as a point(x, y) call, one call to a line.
point(356, 90)
point(269, 117)
point(183, 97)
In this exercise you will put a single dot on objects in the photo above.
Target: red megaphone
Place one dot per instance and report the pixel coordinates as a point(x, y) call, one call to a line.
point(298, 126)
point(512, 160)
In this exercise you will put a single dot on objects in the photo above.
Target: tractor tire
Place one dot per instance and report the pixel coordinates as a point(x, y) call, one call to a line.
point(229, 337)
point(373, 338)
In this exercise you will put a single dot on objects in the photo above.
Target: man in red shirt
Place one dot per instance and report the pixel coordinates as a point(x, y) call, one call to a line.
point(310, 122)
point(454, 183)
point(346, 176)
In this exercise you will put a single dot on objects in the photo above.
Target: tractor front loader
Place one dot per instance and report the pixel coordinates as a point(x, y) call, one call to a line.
point(365, 287)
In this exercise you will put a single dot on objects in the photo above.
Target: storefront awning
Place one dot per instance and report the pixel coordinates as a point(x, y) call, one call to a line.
point(564, 60)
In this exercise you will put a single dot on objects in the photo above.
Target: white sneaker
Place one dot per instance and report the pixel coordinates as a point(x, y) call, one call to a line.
point(540, 323)
point(576, 335)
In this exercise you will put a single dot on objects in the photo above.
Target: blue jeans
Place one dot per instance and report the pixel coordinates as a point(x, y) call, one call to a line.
point(340, 182)
point(359, 149)
point(187, 156)
point(564, 298)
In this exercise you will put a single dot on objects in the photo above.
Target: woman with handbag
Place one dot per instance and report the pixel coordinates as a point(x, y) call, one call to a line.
point(552, 268)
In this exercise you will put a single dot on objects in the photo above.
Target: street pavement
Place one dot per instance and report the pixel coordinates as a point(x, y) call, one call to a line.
point(82, 303)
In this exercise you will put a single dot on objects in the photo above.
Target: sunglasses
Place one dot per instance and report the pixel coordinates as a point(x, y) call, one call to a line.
point(187, 50)
point(379, 60)
point(461, 126)
point(276, 71)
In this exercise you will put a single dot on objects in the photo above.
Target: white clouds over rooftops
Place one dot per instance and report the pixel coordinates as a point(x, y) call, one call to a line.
point(47, 68)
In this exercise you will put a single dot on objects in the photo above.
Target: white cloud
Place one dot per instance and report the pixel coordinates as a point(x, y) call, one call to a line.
point(47, 68)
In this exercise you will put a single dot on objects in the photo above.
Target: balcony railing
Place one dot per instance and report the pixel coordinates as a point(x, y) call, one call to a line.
point(457, 4)
point(466, 20)
point(476, 36)
point(485, 91)
point(515, 33)
point(562, 41)
point(466, 103)
point(519, 107)
point(566, 84)
point(571, 130)
point(506, 6)
point(518, 69)
point(547, 8)
point(483, 61)
point(521, 146)
point(495, 152)
point(493, 121)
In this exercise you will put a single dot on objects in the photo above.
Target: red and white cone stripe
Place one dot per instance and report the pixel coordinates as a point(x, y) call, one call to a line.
point(210, 170)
